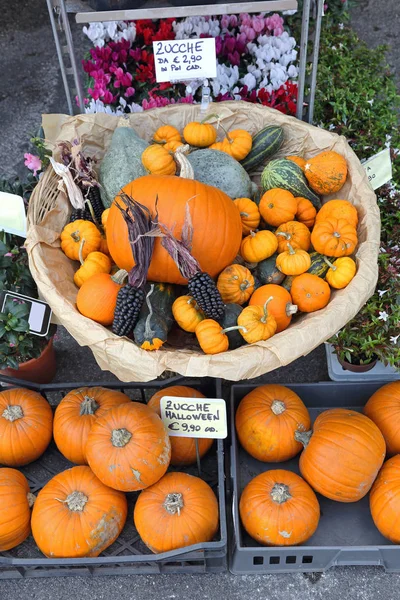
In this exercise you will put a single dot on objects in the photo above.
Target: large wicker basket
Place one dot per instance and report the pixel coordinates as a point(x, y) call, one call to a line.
point(53, 271)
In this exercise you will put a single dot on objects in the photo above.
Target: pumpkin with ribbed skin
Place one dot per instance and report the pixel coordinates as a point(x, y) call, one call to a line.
point(95, 262)
point(343, 454)
point(76, 515)
point(187, 313)
point(177, 511)
point(326, 173)
point(278, 508)
point(211, 211)
point(301, 162)
point(334, 237)
point(235, 284)
point(75, 415)
point(173, 145)
point(266, 421)
point(383, 408)
point(338, 209)
point(384, 500)
point(183, 449)
point(258, 246)
point(256, 323)
point(211, 337)
point(15, 508)
point(340, 272)
point(249, 214)
point(158, 161)
point(297, 234)
point(72, 236)
point(237, 143)
point(293, 261)
point(306, 212)
point(97, 297)
point(310, 292)
point(278, 206)
point(26, 426)
point(104, 217)
point(200, 134)
point(167, 133)
point(128, 448)
point(280, 306)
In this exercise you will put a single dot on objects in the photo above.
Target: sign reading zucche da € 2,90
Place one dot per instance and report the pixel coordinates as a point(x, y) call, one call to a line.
point(178, 60)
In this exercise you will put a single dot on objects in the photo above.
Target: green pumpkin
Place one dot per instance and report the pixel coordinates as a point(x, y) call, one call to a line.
point(232, 311)
point(267, 272)
point(265, 144)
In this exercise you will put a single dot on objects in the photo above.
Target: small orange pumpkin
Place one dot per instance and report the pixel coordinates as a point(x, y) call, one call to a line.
point(237, 143)
point(278, 508)
point(235, 284)
point(15, 508)
point(103, 248)
point(293, 261)
point(280, 306)
point(167, 133)
point(306, 212)
point(211, 337)
point(341, 272)
point(217, 146)
point(326, 173)
point(384, 500)
point(383, 408)
point(97, 297)
point(73, 234)
point(249, 214)
point(187, 313)
point(258, 245)
point(310, 292)
point(200, 134)
point(301, 162)
point(334, 237)
point(278, 206)
point(297, 234)
point(158, 161)
point(172, 146)
point(104, 217)
point(256, 323)
point(338, 209)
point(96, 262)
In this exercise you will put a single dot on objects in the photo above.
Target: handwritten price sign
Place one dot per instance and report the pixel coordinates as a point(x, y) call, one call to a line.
point(178, 60)
point(379, 168)
point(194, 417)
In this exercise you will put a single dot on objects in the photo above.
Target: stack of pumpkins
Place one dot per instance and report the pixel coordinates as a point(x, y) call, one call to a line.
point(280, 254)
point(120, 446)
point(342, 460)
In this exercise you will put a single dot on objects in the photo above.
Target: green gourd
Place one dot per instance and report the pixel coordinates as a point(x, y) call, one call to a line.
point(232, 311)
point(265, 144)
point(122, 163)
point(285, 174)
point(267, 271)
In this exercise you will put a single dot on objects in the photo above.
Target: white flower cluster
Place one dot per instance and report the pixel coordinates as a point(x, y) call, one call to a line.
point(115, 31)
point(195, 26)
point(97, 106)
point(272, 66)
point(226, 80)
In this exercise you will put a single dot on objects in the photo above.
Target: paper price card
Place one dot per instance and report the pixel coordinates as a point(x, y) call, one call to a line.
point(194, 417)
point(12, 214)
point(178, 60)
point(379, 168)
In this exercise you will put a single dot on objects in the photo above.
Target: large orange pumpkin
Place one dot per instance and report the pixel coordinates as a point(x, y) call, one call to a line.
point(384, 500)
point(334, 237)
point(183, 449)
point(278, 508)
point(97, 298)
point(26, 426)
point(266, 421)
point(178, 511)
point(338, 209)
point(217, 226)
point(128, 448)
point(383, 408)
point(75, 416)
point(342, 457)
point(76, 515)
point(15, 508)
point(280, 307)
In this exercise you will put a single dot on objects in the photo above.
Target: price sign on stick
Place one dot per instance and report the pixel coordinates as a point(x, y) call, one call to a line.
point(178, 60)
point(379, 168)
point(194, 417)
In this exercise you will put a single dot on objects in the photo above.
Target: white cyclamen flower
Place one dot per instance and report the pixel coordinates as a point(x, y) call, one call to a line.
point(250, 81)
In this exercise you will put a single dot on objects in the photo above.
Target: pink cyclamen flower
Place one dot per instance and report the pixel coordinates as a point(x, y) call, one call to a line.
point(233, 21)
point(258, 24)
point(245, 19)
point(130, 91)
point(33, 163)
point(9, 254)
point(225, 21)
point(12, 345)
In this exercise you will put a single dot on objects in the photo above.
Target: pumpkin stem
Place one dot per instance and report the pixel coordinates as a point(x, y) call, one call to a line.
point(31, 499)
point(234, 328)
point(287, 236)
point(80, 251)
point(186, 169)
point(278, 407)
point(120, 276)
point(291, 250)
point(291, 309)
point(75, 236)
point(252, 233)
point(90, 207)
point(228, 137)
point(173, 503)
point(245, 285)
point(336, 234)
point(303, 437)
point(13, 413)
point(265, 315)
point(208, 117)
point(148, 331)
point(88, 406)
point(280, 493)
point(120, 437)
point(244, 214)
point(76, 501)
point(331, 265)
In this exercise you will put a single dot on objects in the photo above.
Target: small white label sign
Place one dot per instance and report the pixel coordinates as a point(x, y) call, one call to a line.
point(379, 168)
point(39, 317)
point(12, 214)
point(194, 417)
point(178, 60)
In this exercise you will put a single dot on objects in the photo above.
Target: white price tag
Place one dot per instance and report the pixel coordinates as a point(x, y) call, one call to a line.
point(178, 60)
point(12, 214)
point(379, 168)
point(194, 417)
point(39, 317)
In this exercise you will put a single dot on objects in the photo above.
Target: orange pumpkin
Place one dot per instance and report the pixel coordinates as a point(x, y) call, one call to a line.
point(301, 162)
point(383, 408)
point(103, 244)
point(235, 284)
point(73, 234)
point(306, 212)
point(167, 133)
point(280, 307)
point(266, 421)
point(217, 146)
point(76, 515)
point(158, 161)
point(341, 272)
point(200, 134)
point(237, 143)
point(187, 313)
point(326, 173)
point(258, 246)
point(310, 292)
point(211, 337)
point(278, 508)
point(173, 145)
point(278, 206)
point(15, 508)
point(97, 297)
point(293, 261)
point(75, 415)
point(26, 426)
point(177, 511)
point(95, 262)
point(334, 237)
point(128, 448)
point(384, 500)
point(212, 213)
point(104, 217)
point(183, 449)
point(256, 323)
point(338, 209)
point(297, 234)
point(343, 455)
point(249, 214)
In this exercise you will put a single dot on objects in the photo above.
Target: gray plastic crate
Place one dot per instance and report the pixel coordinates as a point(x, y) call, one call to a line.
point(128, 555)
point(346, 534)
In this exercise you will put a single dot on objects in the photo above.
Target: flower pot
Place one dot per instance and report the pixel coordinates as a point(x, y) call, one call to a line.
point(358, 368)
point(37, 370)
